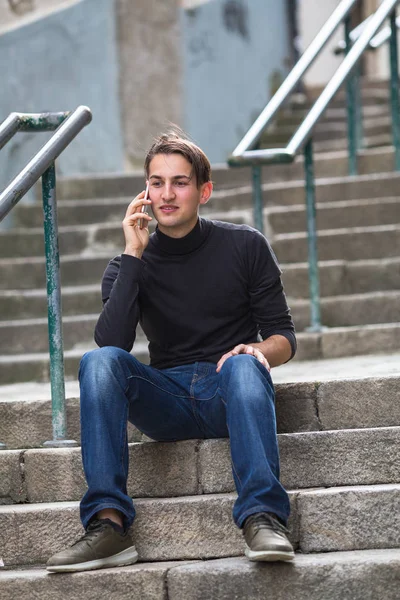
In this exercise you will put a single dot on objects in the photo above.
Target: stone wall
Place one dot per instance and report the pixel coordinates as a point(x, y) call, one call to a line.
point(150, 55)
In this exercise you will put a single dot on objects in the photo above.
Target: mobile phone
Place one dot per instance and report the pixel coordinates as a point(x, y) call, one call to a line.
point(145, 207)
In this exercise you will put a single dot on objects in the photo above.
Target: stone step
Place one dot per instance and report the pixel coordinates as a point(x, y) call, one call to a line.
point(327, 131)
point(144, 581)
point(337, 311)
point(300, 407)
point(289, 117)
point(32, 304)
point(18, 368)
point(348, 341)
point(89, 238)
point(327, 164)
point(21, 362)
point(289, 193)
point(193, 467)
point(371, 141)
point(350, 243)
point(201, 527)
point(334, 215)
point(74, 238)
point(355, 575)
point(342, 277)
point(337, 276)
point(31, 334)
point(351, 310)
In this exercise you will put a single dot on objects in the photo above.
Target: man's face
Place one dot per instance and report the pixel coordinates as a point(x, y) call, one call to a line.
point(174, 195)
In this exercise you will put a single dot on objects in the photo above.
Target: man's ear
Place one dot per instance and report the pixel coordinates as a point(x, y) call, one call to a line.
point(206, 191)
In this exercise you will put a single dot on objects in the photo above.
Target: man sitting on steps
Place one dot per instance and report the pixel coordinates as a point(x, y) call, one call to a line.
point(204, 292)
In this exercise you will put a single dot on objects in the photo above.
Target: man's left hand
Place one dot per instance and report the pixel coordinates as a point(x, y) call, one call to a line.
point(244, 349)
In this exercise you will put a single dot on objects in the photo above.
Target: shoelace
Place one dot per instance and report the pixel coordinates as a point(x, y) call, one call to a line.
point(91, 532)
point(265, 521)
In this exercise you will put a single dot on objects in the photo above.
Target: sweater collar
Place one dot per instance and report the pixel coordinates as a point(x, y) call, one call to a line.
point(190, 242)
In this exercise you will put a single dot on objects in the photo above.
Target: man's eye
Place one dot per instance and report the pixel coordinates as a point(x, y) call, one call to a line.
point(156, 184)
point(181, 183)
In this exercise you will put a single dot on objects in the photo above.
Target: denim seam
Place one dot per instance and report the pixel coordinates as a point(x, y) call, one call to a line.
point(233, 466)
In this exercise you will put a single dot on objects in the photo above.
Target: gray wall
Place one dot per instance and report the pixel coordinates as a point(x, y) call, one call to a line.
point(56, 63)
point(234, 51)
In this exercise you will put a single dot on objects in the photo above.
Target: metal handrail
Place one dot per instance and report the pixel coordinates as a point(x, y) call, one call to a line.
point(294, 77)
point(377, 41)
point(303, 134)
point(302, 139)
point(67, 126)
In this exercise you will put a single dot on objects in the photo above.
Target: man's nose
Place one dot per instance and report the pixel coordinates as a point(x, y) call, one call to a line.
point(168, 191)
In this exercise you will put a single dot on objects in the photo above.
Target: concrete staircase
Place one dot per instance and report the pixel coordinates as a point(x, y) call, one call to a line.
point(340, 454)
point(339, 439)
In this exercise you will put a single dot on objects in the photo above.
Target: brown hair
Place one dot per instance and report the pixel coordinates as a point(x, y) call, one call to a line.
point(175, 143)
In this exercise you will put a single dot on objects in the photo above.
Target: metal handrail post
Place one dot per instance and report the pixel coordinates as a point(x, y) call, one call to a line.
point(54, 311)
point(313, 274)
point(258, 198)
point(351, 99)
point(394, 89)
point(67, 127)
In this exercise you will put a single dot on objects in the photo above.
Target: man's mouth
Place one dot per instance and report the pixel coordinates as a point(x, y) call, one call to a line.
point(168, 208)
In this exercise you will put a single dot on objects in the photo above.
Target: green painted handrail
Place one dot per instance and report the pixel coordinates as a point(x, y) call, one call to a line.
point(248, 154)
point(67, 126)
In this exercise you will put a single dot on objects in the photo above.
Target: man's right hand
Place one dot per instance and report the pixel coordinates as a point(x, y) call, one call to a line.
point(136, 239)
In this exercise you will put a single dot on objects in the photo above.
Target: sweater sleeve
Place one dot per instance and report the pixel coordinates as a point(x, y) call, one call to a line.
point(267, 297)
point(118, 320)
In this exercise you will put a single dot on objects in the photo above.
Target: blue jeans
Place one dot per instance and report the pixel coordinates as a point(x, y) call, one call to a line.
point(186, 402)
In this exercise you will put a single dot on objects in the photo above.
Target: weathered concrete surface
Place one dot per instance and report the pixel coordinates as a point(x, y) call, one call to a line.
point(165, 529)
point(330, 164)
point(336, 277)
point(367, 339)
point(355, 518)
point(296, 408)
point(367, 575)
point(27, 423)
point(12, 485)
point(347, 518)
point(156, 470)
point(352, 404)
point(357, 243)
point(308, 460)
point(141, 581)
point(304, 406)
point(350, 310)
point(335, 215)
point(340, 277)
point(314, 459)
point(151, 78)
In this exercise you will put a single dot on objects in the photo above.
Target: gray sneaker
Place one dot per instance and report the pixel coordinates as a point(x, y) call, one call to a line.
point(101, 546)
point(266, 538)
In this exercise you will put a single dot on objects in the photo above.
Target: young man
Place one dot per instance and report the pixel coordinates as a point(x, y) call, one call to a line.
point(204, 292)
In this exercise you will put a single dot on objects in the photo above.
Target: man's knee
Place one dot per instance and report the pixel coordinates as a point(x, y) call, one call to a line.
point(241, 365)
point(246, 380)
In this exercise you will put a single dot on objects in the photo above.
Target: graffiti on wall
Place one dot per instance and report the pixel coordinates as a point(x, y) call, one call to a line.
point(236, 18)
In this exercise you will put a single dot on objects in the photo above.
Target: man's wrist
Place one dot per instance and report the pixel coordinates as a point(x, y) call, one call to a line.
point(132, 252)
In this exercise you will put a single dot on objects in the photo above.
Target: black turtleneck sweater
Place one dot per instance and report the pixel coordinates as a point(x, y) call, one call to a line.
point(195, 297)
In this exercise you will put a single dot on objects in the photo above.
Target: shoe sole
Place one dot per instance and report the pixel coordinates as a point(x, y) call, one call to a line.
point(126, 557)
point(268, 555)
